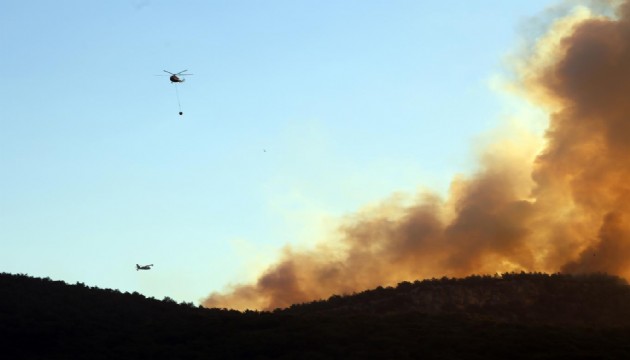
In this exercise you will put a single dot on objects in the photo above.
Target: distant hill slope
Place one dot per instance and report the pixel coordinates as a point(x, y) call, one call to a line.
point(516, 316)
point(598, 300)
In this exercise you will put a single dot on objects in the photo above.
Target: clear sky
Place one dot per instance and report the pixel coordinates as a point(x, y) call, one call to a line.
point(298, 113)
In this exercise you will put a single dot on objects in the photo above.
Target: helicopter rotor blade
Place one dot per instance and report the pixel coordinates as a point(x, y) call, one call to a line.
point(168, 72)
point(179, 73)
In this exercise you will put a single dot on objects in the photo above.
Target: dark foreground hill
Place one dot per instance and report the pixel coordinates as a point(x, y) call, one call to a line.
point(514, 316)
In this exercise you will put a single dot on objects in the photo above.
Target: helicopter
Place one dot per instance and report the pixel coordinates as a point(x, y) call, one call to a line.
point(175, 78)
point(143, 267)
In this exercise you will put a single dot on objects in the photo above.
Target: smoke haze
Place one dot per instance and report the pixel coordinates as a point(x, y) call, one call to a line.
point(565, 208)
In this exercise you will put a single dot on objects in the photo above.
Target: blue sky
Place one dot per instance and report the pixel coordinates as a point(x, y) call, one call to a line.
point(298, 113)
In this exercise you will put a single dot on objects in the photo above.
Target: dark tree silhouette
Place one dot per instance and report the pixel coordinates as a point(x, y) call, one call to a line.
point(515, 315)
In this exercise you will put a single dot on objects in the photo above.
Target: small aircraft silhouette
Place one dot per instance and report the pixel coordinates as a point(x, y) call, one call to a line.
point(143, 267)
point(175, 78)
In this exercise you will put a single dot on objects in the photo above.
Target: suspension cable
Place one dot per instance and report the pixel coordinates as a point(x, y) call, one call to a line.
point(178, 102)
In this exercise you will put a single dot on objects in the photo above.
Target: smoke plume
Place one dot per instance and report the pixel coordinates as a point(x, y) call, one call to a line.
point(566, 208)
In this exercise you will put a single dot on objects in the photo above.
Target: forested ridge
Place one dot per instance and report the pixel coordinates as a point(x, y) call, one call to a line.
point(521, 315)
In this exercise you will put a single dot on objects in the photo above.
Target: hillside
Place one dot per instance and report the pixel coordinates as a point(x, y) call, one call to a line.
point(509, 316)
point(596, 300)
